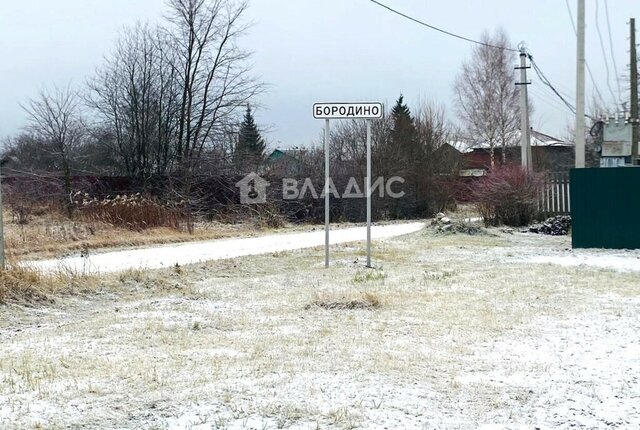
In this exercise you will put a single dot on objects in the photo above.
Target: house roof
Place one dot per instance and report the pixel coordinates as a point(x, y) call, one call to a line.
point(292, 153)
point(537, 139)
point(541, 139)
point(461, 146)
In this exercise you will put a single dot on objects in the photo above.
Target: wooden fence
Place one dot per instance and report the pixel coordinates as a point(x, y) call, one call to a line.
point(555, 195)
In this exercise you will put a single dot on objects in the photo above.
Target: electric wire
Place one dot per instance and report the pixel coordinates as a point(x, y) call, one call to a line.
point(546, 81)
point(593, 81)
point(549, 98)
point(613, 57)
point(536, 68)
point(505, 48)
point(604, 56)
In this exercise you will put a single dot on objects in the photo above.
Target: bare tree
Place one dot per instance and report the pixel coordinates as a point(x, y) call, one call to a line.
point(433, 133)
point(486, 97)
point(213, 80)
point(54, 118)
point(213, 76)
point(135, 95)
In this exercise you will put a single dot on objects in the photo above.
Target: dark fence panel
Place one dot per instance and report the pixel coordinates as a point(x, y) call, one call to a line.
point(605, 208)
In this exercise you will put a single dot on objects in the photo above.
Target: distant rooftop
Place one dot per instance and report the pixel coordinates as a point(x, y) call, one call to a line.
point(537, 139)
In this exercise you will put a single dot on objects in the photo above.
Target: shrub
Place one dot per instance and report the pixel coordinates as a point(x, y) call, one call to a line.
point(443, 190)
point(508, 195)
point(265, 215)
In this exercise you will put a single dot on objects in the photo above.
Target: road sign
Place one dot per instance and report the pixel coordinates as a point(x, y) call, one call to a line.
point(348, 110)
point(329, 111)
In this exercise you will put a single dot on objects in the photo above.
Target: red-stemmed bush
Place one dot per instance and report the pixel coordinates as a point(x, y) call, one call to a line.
point(508, 195)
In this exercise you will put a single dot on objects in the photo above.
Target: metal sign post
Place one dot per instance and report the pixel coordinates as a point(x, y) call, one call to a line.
point(329, 111)
point(326, 192)
point(368, 191)
point(2, 263)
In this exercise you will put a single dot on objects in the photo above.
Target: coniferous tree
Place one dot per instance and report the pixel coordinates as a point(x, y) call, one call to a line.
point(404, 135)
point(404, 138)
point(250, 149)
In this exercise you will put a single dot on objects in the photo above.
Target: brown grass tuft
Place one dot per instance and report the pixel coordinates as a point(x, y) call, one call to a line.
point(23, 284)
point(20, 284)
point(345, 301)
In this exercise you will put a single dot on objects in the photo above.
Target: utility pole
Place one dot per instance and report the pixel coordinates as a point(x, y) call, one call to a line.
point(635, 154)
point(526, 159)
point(580, 138)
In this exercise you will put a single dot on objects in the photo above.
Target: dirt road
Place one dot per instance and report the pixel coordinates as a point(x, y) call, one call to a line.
point(189, 253)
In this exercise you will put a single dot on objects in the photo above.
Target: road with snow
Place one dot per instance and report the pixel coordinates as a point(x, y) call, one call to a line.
point(195, 252)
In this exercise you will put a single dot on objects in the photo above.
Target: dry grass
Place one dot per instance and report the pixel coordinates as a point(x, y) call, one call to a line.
point(19, 284)
point(133, 212)
point(49, 235)
point(237, 343)
point(345, 301)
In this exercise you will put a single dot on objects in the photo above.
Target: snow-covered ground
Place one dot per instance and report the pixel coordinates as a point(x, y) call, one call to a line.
point(157, 257)
point(470, 334)
point(623, 261)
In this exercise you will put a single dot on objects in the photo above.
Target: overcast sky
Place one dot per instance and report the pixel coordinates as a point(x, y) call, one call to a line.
point(329, 50)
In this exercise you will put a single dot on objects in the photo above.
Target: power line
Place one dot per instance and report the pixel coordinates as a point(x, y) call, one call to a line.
point(545, 81)
point(604, 56)
point(593, 81)
point(613, 57)
point(549, 98)
point(537, 69)
point(448, 33)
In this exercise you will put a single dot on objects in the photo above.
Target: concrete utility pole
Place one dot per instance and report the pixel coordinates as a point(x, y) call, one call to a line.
point(635, 154)
point(525, 133)
point(580, 138)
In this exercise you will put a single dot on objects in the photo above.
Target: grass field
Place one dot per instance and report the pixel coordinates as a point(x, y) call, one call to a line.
point(448, 331)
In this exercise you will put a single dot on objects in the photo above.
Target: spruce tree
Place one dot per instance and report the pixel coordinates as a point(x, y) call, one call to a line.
point(404, 138)
point(250, 148)
point(404, 131)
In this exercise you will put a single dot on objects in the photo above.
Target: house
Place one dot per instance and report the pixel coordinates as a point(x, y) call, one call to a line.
point(285, 162)
point(448, 158)
point(549, 154)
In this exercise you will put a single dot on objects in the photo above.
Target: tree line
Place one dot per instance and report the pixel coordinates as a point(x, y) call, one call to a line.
point(167, 99)
point(175, 100)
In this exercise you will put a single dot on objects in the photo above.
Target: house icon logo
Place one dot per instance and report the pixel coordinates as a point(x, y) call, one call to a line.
point(253, 189)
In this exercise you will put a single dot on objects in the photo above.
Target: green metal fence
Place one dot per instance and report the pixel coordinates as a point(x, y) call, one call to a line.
point(605, 208)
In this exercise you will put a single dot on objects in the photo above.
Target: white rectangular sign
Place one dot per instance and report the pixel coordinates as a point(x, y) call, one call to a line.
point(348, 110)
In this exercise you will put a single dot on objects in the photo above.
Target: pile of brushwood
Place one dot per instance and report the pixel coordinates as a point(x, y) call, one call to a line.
point(554, 226)
point(443, 224)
